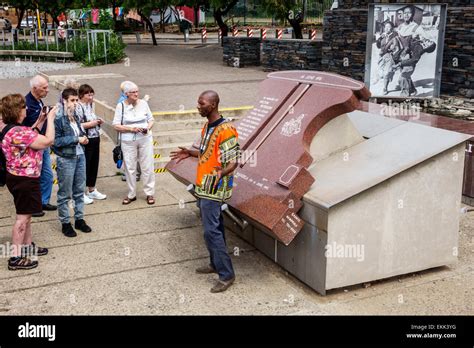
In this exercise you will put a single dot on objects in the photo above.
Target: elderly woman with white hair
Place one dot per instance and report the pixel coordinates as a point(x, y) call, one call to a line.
point(134, 121)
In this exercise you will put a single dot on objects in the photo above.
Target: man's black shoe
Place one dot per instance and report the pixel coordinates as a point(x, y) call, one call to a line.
point(68, 230)
point(81, 225)
point(33, 250)
point(40, 214)
point(49, 207)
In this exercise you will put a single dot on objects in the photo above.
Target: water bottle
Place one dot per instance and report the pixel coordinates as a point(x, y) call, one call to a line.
point(119, 164)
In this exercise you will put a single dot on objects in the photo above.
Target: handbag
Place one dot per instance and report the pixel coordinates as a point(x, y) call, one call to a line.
point(117, 151)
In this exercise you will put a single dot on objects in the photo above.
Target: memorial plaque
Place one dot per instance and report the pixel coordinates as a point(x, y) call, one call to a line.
point(275, 137)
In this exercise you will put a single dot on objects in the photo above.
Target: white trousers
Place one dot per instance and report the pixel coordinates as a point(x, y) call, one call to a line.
point(139, 151)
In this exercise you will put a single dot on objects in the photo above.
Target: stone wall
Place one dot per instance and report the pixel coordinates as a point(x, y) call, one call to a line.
point(345, 34)
point(241, 51)
point(364, 3)
point(291, 54)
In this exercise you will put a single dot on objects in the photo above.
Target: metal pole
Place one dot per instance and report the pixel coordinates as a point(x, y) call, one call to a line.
point(105, 48)
point(36, 40)
point(3, 38)
point(67, 37)
point(13, 39)
point(88, 46)
point(46, 38)
point(56, 39)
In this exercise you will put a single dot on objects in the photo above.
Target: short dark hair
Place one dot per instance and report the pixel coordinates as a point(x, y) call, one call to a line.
point(85, 89)
point(68, 92)
point(11, 106)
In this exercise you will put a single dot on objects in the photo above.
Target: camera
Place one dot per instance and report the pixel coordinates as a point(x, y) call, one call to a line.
point(46, 109)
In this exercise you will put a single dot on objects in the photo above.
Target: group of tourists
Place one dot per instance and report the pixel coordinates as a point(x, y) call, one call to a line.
point(71, 130)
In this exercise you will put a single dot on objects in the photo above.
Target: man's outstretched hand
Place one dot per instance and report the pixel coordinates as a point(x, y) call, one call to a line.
point(181, 154)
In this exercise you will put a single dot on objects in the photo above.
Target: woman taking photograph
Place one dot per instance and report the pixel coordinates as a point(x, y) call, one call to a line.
point(134, 121)
point(71, 163)
point(23, 149)
point(91, 123)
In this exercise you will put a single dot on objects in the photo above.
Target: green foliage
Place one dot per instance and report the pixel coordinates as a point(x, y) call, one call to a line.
point(282, 9)
point(115, 49)
point(106, 21)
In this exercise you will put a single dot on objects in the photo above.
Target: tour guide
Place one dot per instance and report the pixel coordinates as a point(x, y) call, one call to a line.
point(217, 159)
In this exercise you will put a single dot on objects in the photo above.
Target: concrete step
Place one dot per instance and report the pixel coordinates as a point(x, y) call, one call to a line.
point(176, 136)
point(164, 150)
point(164, 126)
point(165, 116)
point(161, 162)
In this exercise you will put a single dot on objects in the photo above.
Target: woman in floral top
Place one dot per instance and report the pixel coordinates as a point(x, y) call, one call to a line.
point(22, 147)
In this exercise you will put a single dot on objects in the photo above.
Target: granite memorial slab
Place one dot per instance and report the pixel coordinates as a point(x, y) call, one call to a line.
point(275, 138)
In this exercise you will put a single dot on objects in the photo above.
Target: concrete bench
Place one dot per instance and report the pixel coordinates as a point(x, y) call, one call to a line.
point(45, 54)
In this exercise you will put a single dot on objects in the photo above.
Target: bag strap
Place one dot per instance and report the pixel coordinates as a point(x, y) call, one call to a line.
point(6, 129)
point(119, 134)
point(85, 118)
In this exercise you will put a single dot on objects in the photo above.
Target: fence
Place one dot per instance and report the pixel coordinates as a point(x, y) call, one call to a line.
point(62, 40)
point(252, 12)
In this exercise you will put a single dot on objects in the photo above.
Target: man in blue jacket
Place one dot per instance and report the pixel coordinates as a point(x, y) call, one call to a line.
point(34, 104)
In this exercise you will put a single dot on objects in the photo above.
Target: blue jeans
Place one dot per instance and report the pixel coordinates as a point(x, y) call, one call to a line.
point(46, 177)
point(214, 235)
point(72, 183)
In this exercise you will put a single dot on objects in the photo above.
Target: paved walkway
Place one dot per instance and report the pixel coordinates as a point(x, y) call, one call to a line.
point(140, 259)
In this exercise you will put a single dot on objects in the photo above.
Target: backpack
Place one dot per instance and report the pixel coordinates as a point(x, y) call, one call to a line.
point(3, 161)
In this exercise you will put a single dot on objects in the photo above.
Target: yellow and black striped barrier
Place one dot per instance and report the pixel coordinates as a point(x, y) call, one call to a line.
point(161, 170)
point(155, 143)
point(54, 166)
point(55, 181)
point(156, 155)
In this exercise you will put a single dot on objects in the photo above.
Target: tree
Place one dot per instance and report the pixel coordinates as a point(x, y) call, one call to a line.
point(55, 8)
point(289, 10)
point(221, 9)
point(21, 6)
point(144, 9)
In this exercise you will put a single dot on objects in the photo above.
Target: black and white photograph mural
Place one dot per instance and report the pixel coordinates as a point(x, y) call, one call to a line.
point(405, 50)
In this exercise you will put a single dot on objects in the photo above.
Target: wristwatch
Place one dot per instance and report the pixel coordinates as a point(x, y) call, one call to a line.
point(37, 129)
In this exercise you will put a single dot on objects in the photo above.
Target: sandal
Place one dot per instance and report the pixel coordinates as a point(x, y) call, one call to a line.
point(21, 263)
point(150, 200)
point(129, 200)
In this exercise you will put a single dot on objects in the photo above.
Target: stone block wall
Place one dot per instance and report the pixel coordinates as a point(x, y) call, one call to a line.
point(291, 54)
point(364, 3)
point(241, 51)
point(345, 37)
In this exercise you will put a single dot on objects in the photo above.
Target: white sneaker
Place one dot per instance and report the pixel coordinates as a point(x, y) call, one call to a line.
point(96, 195)
point(87, 200)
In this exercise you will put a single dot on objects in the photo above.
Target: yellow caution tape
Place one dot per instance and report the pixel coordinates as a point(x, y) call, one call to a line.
point(156, 155)
point(194, 111)
point(161, 170)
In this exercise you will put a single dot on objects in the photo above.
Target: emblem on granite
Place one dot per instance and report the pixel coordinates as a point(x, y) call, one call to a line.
point(293, 126)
